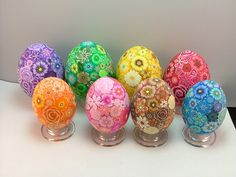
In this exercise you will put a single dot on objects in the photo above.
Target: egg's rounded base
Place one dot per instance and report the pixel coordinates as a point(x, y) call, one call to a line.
point(59, 134)
point(148, 140)
point(198, 140)
point(105, 139)
point(178, 110)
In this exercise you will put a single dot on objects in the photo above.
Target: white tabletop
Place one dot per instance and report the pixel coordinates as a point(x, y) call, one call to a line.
point(25, 153)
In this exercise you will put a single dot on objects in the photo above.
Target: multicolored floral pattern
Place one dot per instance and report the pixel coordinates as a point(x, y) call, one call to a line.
point(36, 63)
point(184, 70)
point(85, 64)
point(54, 102)
point(137, 64)
point(153, 106)
point(107, 105)
point(204, 107)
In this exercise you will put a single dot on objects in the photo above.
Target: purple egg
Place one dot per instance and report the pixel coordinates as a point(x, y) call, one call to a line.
point(36, 63)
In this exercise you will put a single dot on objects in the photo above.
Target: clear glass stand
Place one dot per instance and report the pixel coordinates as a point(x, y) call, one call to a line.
point(198, 140)
point(105, 139)
point(149, 140)
point(58, 134)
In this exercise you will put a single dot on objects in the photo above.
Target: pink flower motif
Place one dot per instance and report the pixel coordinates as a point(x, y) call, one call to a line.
point(116, 111)
point(107, 100)
point(47, 52)
point(95, 114)
point(29, 62)
point(175, 79)
point(104, 110)
point(118, 92)
point(104, 85)
point(93, 101)
point(179, 62)
point(198, 62)
point(106, 121)
point(119, 103)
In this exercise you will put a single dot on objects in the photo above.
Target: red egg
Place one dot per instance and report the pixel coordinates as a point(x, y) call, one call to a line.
point(184, 70)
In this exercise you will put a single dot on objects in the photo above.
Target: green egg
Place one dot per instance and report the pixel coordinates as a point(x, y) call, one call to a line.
point(86, 63)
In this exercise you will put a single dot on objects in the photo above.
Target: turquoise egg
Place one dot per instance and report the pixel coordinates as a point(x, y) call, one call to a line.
point(204, 107)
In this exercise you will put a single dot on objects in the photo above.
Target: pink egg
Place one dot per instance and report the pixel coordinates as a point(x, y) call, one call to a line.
point(107, 105)
point(184, 70)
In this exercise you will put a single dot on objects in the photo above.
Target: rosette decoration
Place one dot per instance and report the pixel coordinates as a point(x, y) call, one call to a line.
point(87, 62)
point(54, 105)
point(107, 108)
point(135, 65)
point(184, 70)
point(204, 110)
point(36, 63)
point(152, 110)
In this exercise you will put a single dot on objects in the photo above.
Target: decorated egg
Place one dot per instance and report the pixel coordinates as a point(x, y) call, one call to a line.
point(136, 64)
point(204, 107)
point(107, 105)
point(153, 106)
point(184, 70)
point(85, 64)
point(54, 103)
point(36, 63)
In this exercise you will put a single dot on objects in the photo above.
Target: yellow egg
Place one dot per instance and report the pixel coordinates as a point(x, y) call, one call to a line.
point(135, 65)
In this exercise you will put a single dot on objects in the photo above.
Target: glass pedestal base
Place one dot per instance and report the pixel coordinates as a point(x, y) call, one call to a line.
point(105, 139)
point(178, 110)
point(150, 140)
point(198, 140)
point(58, 134)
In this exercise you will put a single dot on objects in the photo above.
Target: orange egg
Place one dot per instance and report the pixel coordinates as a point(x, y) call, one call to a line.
point(54, 103)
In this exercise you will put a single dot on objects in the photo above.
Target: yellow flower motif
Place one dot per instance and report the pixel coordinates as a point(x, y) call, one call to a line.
point(101, 49)
point(74, 68)
point(171, 102)
point(152, 104)
point(148, 91)
point(132, 78)
point(38, 101)
point(130, 55)
point(143, 51)
point(139, 63)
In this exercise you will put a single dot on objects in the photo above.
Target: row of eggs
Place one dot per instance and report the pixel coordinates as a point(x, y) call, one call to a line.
point(89, 61)
point(107, 102)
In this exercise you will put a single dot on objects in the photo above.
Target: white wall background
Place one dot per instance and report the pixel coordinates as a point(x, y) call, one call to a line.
point(165, 26)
